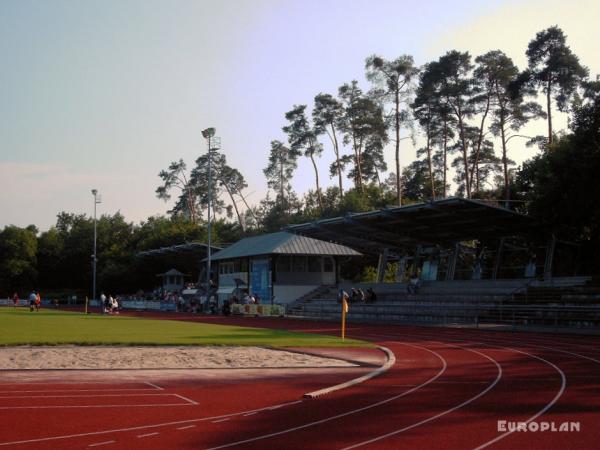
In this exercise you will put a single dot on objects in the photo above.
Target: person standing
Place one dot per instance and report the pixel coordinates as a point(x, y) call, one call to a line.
point(102, 303)
point(32, 297)
point(16, 299)
point(38, 301)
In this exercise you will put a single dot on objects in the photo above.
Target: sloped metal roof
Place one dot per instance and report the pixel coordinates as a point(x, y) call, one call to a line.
point(437, 222)
point(282, 243)
point(189, 247)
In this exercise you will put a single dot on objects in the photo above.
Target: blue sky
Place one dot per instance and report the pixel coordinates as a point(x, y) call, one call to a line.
point(105, 94)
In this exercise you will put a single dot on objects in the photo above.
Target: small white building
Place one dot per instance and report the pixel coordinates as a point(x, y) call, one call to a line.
point(279, 267)
point(172, 280)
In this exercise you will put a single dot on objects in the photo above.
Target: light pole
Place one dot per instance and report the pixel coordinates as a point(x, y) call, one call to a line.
point(214, 143)
point(97, 199)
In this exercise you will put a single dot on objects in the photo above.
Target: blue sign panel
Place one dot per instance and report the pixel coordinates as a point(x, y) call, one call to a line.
point(260, 279)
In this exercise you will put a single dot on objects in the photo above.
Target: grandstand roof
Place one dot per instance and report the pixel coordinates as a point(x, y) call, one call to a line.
point(178, 249)
point(282, 243)
point(437, 222)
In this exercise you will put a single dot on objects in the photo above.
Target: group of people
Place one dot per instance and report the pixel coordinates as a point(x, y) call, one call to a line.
point(109, 304)
point(35, 301)
point(358, 296)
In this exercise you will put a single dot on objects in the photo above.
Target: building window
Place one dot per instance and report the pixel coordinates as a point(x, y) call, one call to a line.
point(314, 264)
point(298, 264)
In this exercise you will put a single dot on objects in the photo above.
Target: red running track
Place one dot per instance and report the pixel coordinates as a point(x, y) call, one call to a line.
point(448, 389)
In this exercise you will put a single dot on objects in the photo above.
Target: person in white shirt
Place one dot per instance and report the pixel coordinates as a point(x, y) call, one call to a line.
point(102, 303)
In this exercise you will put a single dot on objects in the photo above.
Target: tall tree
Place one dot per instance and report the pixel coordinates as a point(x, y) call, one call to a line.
point(303, 137)
point(327, 114)
point(554, 68)
point(393, 82)
point(175, 177)
point(509, 110)
point(282, 163)
point(451, 78)
point(363, 127)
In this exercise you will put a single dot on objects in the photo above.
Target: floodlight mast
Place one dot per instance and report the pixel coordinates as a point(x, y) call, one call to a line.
point(94, 259)
point(213, 143)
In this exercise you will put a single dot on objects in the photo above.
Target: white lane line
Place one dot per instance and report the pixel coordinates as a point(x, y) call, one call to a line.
point(502, 347)
point(222, 420)
point(97, 395)
point(101, 443)
point(154, 385)
point(147, 434)
point(92, 406)
point(443, 413)
point(143, 427)
point(189, 400)
point(85, 390)
point(250, 414)
point(353, 411)
point(185, 428)
point(540, 412)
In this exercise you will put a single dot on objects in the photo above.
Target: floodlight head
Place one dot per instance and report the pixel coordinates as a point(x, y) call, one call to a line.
point(208, 133)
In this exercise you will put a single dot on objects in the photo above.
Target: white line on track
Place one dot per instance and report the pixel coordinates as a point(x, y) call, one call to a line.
point(154, 385)
point(147, 434)
point(443, 413)
point(143, 405)
point(249, 414)
point(221, 420)
point(145, 427)
point(97, 395)
point(354, 411)
point(101, 443)
point(535, 416)
point(189, 400)
point(85, 390)
point(187, 427)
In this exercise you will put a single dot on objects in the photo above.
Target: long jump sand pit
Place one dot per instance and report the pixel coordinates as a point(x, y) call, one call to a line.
point(123, 363)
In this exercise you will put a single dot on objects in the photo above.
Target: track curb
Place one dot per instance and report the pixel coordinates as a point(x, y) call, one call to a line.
point(389, 363)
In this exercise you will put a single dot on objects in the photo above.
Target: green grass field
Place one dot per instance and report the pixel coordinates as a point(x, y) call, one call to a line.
point(46, 327)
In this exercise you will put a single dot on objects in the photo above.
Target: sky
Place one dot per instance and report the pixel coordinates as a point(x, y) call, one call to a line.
point(105, 94)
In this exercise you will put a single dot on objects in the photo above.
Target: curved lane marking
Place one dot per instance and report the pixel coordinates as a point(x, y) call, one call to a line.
point(391, 360)
point(347, 413)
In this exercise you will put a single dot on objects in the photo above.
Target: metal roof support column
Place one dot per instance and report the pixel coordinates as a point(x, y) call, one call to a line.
point(401, 269)
point(416, 260)
point(452, 263)
point(383, 257)
point(549, 258)
point(498, 260)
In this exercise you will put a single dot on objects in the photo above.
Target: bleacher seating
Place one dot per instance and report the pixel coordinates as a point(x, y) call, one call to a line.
point(557, 303)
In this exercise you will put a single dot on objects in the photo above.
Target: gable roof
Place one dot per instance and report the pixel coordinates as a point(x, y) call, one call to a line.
point(282, 243)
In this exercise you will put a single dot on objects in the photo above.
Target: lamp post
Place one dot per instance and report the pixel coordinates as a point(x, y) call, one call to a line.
point(97, 199)
point(214, 143)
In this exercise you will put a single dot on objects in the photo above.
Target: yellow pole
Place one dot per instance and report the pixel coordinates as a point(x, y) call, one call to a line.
point(86, 302)
point(344, 311)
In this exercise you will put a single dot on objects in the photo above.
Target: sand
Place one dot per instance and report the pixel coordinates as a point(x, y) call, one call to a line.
point(175, 357)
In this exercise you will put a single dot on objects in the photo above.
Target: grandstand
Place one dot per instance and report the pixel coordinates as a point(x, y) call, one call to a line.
point(479, 264)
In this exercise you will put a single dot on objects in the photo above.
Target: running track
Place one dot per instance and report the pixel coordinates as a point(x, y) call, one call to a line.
point(447, 389)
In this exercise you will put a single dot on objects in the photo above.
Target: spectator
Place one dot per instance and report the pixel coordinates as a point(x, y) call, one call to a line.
point(32, 298)
point(38, 301)
point(226, 308)
point(354, 296)
point(361, 295)
point(371, 297)
point(102, 303)
point(16, 299)
point(342, 295)
point(414, 284)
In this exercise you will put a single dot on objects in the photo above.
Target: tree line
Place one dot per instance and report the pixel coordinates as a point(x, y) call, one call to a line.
point(467, 110)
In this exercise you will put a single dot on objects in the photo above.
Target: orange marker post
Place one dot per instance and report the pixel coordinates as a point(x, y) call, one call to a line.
point(344, 312)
